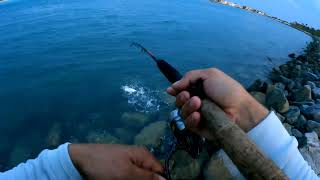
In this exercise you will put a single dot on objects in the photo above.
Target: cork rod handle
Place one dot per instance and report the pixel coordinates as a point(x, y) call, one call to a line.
point(249, 159)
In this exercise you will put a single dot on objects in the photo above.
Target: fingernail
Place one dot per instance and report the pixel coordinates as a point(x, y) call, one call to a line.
point(176, 83)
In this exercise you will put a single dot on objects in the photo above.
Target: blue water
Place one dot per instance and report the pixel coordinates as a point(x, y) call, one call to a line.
point(67, 62)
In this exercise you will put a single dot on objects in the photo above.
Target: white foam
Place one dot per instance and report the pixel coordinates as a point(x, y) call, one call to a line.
point(128, 89)
point(143, 99)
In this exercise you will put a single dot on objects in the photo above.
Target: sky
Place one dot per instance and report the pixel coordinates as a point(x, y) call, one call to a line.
point(303, 11)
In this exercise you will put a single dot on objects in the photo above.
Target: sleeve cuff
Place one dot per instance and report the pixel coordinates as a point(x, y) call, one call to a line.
point(273, 139)
point(66, 163)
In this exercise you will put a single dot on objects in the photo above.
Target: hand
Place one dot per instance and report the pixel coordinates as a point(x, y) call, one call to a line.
point(108, 162)
point(227, 93)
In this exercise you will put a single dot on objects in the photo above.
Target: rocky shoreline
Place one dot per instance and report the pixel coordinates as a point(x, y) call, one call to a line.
point(293, 92)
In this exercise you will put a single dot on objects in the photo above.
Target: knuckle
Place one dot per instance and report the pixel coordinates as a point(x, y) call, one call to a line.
point(213, 71)
point(191, 73)
point(143, 149)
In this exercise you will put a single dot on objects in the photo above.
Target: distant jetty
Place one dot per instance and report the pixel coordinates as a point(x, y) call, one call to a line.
point(301, 27)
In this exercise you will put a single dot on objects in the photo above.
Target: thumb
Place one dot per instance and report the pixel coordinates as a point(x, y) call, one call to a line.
point(139, 173)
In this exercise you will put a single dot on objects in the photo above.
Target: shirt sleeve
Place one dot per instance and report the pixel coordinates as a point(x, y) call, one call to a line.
point(274, 140)
point(49, 165)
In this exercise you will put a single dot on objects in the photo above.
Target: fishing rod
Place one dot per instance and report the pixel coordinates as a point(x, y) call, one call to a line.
point(185, 139)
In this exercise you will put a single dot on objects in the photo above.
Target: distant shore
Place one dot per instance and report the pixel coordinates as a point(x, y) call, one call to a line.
point(300, 27)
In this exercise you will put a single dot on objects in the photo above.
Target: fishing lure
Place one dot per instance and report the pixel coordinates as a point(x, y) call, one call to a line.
point(184, 139)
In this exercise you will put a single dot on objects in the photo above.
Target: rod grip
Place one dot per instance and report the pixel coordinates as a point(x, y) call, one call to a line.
point(249, 159)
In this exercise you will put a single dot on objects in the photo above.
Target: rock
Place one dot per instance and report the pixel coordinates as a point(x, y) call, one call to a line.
point(301, 58)
point(303, 103)
point(185, 167)
point(29, 144)
point(311, 84)
point(292, 55)
point(276, 99)
point(316, 93)
point(298, 67)
point(220, 166)
point(292, 115)
point(151, 134)
point(303, 107)
point(308, 76)
point(54, 135)
point(280, 117)
point(73, 139)
point(311, 152)
point(312, 112)
point(134, 119)
point(20, 153)
point(288, 128)
point(301, 121)
point(288, 82)
point(296, 133)
point(280, 85)
point(259, 96)
point(317, 101)
point(124, 134)
point(317, 83)
point(102, 137)
point(313, 126)
point(256, 86)
point(303, 94)
point(167, 98)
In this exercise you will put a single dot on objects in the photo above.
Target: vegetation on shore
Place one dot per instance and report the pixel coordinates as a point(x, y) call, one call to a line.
point(306, 28)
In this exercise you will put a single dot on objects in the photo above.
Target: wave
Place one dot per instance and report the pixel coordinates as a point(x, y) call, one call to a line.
point(143, 99)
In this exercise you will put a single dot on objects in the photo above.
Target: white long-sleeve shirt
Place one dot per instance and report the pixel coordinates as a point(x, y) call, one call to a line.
point(270, 136)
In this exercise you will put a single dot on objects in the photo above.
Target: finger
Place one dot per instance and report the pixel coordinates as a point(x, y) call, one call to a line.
point(190, 77)
point(144, 159)
point(139, 173)
point(182, 98)
point(190, 106)
point(171, 91)
point(193, 120)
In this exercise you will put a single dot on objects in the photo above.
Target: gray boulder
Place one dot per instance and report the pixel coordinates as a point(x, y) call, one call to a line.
point(292, 115)
point(54, 135)
point(185, 167)
point(311, 152)
point(288, 128)
point(296, 133)
point(151, 134)
point(220, 166)
point(134, 119)
point(313, 126)
point(280, 85)
point(277, 100)
point(303, 94)
point(259, 96)
point(124, 134)
point(311, 84)
point(301, 121)
point(312, 112)
point(288, 82)
point(102, 137)
point(308, 76)
point(316, 93)
point(282, 119)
